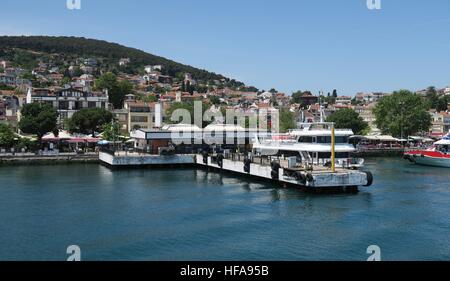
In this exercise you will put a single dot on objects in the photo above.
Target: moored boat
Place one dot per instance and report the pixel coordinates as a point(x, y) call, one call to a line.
point(438, 155)
point(311, 143)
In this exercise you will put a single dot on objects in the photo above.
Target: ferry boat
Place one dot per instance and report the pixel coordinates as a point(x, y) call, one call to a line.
point(438, 155)
point(311, 143)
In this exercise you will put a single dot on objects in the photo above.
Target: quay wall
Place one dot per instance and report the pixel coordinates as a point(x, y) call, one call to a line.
point(47, 159)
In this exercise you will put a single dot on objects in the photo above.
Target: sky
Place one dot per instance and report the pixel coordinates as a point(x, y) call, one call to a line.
point(289, 45)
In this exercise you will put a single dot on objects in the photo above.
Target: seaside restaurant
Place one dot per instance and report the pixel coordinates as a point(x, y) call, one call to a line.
point(185, 138)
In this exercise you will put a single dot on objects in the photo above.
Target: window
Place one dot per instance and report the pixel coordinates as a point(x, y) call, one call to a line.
point(139, 119)
point(324, 139)
point(306, 139)
point(92, 104)
point(78, 105)
point(63, 115)
point(341, 139)
point(139, 109)
point(64, 105)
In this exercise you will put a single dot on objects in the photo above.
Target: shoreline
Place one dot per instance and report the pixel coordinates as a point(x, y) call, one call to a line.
point(11, 160)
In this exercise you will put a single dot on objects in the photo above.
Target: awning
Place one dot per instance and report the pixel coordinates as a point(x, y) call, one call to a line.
point(383, 138)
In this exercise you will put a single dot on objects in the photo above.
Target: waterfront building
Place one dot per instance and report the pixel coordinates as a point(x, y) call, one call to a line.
point(68, 101)
point(138, 115)
point(141, 115)
point(190, 138)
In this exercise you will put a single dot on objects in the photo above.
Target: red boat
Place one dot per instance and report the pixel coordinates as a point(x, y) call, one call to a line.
point(438, 155)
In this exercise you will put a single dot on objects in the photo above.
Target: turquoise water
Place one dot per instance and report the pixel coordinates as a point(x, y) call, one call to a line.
point(190, 214)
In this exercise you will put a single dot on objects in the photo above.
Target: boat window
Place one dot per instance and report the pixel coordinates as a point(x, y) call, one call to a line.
point(323, 139)
point(327, 139)
point(341, 139)
point(306, 139)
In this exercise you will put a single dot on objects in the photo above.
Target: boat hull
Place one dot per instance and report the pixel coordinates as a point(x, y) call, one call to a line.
point(429, 158)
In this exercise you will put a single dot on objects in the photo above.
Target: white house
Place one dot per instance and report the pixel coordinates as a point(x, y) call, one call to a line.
point(68, 101)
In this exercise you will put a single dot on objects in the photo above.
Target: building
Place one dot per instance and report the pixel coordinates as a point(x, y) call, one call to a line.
point(447, 91)
point(135, 115)
point(366, 113)
point(124, 61)
point(344, 100)
point(8, 79)
point(308, 99)
point(440, 123)
point(70, 100)
point(151, 68)
point(446, 121)
point(370, 97)
point(5, 64)
point(90, 62)
point(2, 110)
point(189, 138)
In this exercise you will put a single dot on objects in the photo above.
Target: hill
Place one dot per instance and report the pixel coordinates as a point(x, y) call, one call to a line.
point(110, 53)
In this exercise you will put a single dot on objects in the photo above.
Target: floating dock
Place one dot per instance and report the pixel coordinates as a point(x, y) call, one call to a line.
point(312, 178)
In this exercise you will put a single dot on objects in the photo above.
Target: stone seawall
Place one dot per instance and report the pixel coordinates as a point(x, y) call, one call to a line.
point(48, 159)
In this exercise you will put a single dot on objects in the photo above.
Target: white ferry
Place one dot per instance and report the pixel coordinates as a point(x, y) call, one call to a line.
point(311, 143)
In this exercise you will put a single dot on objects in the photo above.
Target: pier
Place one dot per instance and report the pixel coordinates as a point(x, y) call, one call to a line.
point(116, 159)
point(308, 177)
point(277, 170)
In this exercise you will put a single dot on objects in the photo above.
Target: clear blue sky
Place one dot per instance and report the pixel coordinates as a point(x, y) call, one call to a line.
point(286, 44)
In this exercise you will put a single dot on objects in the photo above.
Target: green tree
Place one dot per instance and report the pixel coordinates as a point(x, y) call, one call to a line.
point(111, 131)
point(181, 105)
point(348, 119)
point(89, 120)
point(402, 114)
point(432, 97)
point(38, 119)
point(117, 90)
point(442, 104)
point(287, 120)
point(124, 87)
point(215, 100)
point(64, 81)
point(189, 106)
point(6, 135)
point(296, 97)
point(334, 95)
